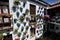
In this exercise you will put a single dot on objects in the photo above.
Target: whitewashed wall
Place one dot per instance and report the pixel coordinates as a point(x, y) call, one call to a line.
point(27, 6)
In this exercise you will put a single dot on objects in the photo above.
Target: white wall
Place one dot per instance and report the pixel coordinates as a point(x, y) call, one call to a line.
point(27, 22)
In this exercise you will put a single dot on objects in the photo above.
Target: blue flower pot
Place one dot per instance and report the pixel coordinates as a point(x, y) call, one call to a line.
point(17, 14)
point(21, 9)
point(14, 9)
point(24, 24)
point(15, 20)
point(24, 4)
point(18, 25)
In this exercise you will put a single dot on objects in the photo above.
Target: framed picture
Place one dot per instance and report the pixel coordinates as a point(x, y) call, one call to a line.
point(5, 9)
point(6, 20)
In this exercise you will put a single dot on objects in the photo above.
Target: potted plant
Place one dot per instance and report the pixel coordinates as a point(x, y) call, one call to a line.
point(16, 2)
point(15, 30)
point(15, 20)
point(14, 8)
point(27, 18)
point(26, 12)
point(33, 15)
point(6, 15)
point(1, 35)
point(24, 23)
point(17, 14)
point(17, 38)
point(23, 37)
point(21, 18)
point(22, 28)
point(18, 24)
point(19, 34)
point(21, 9)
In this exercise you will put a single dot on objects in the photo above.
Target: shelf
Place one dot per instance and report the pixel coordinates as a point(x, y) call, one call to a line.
point(54, 23)
point(6, 28)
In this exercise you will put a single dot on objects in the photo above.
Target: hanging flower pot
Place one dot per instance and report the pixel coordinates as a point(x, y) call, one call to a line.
point(21, 18)
point(18, 25)
point(17, 38)
point(15, 20)
point(26, 28)
point(24, 4)
point(15, 30)
point(19, 34)
point(23, 37)
point(24, 24)
point(26, 12)
point(14, 8)
point(17, 14)
point(22, 29)
point(27, 19)
point(21, 9)
point(16, 2)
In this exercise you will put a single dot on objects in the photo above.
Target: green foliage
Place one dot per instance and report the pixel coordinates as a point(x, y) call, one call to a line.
point(23, 37)
point(1, 35)
point(7, 15)
point(16, 2)
point(21, 17)
point(19, 34)
point(26, 12)
point(33, 15)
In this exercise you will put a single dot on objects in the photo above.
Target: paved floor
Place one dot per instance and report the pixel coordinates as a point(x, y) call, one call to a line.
point(51, 36)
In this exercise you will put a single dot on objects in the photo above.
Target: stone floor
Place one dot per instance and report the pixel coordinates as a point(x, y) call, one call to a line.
point(51, 36)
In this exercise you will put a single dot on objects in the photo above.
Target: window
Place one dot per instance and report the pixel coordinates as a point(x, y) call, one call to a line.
point(6, 20)
point(32, 9)
point(5, 9)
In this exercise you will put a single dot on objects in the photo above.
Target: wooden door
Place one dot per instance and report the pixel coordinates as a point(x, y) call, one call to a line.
point(32, 9)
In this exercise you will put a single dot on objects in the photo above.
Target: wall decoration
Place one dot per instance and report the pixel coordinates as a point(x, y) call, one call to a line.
point(21, 18)
point(18, 25)
point(15, 20)
point(14, 8)
point(16, 2)
point(38, 11)
point(23, 37)
point(21, 9)
point(24, 24)
point(26, 12)
point(24, 4)
point(22, 28)
point(19, 34)
point(17, 14)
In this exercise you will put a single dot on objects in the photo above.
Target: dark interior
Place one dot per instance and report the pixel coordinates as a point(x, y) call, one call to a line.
point(4, 0)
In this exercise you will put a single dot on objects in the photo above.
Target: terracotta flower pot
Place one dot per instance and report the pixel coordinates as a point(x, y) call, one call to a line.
point(17, 38)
